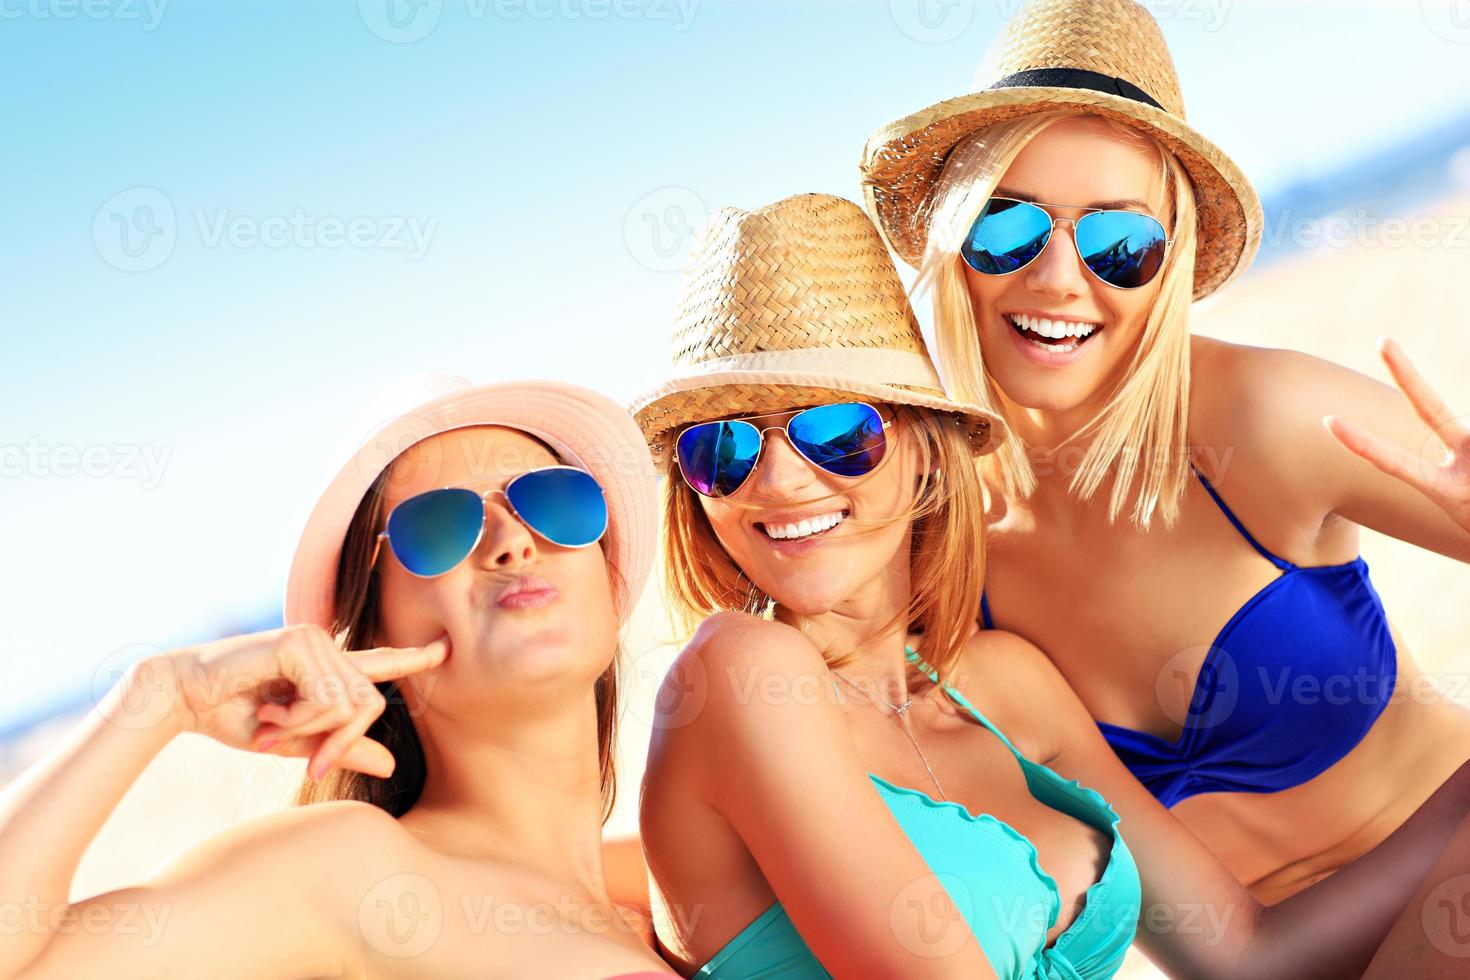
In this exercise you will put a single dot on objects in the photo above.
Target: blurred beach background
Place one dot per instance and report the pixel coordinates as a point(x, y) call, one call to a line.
point(231, 223)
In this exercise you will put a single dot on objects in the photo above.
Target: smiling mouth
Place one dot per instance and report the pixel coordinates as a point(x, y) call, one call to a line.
point(1062, 336)
point(811, 527)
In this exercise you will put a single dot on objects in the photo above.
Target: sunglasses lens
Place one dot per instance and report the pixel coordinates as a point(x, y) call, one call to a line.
point(564, 506)
point(434, 531)
point(1006, 236)
point(1122, 248)
point(717, 457)
point(845, 439)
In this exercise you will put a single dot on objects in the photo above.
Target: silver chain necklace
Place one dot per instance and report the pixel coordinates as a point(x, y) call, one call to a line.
point(900, 712)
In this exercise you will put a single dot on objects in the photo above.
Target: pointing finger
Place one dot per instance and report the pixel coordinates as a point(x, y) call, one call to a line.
point(1391, 459)
point(390, 663)
point(1426, 402)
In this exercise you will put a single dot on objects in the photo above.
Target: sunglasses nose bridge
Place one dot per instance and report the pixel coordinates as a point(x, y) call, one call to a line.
point(773, 470)
point(785, 437)
point(1043, 268)
point(518, 525)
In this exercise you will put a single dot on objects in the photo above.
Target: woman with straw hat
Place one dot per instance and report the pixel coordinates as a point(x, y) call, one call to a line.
point(1237, 658)
point(847, 777)
point(457, 717)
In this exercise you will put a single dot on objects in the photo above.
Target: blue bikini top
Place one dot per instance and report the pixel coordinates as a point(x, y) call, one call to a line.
point(1290, 685)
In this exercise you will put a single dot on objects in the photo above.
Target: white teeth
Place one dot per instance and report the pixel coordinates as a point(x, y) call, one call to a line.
point(807, 526)
point(1053, 329)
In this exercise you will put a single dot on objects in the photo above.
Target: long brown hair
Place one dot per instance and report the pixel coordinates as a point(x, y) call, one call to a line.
point(947, 554)
point(355, 623)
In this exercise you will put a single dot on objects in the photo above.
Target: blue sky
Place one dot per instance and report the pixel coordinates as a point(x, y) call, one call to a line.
point(334, 203)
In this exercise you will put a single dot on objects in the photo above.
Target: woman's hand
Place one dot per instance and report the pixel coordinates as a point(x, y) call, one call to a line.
point(1446, 484)
point(291, 691)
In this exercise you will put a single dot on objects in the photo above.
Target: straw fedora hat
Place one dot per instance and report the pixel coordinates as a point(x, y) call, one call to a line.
point(1103, 56)
point(584, 428)
point(796, 303)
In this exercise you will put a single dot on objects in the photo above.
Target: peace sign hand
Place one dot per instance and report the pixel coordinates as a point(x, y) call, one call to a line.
point(294, 692)
point(1447, 484)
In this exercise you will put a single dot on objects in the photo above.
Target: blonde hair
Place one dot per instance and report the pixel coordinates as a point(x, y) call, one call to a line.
point(947, 551)
point(1142, 431)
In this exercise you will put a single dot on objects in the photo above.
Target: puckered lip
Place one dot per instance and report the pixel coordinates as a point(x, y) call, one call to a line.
point(522, 584)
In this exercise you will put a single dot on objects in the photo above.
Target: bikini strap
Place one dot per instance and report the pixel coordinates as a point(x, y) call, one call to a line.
point(1280, 563)
point(985, 611)
point(962, 701)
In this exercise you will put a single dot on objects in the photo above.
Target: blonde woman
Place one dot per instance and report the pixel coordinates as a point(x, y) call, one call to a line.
point(1172, 522)
point(453, 709)
point(846, 777)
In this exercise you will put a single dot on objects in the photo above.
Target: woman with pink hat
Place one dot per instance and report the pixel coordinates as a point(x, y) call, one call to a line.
point(1172, 522)
point(847, 777)
point(448, 668)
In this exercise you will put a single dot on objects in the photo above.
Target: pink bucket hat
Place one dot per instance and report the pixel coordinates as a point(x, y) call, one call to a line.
point(584, 428)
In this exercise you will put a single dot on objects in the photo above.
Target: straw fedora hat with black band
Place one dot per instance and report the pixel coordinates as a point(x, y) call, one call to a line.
point(1103, 56)
point(793, 304)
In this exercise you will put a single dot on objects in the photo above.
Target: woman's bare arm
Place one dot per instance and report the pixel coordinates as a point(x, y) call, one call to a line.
point(1431, 939)
point(268, 898)
point(772, 754)
point(1263, 410)
point(51, 813)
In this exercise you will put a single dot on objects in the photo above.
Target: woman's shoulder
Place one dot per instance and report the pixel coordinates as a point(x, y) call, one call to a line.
point(1255, 426)
point(731, 650)
point(738, 680)
point(751, 638)
point(1015, 685)
point(309, 835)
point(319, 860)
point(1263, 394)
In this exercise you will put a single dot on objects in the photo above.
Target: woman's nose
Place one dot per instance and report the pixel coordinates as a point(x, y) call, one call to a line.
point(1057, 271)
point(508, 542)
point(782, 471)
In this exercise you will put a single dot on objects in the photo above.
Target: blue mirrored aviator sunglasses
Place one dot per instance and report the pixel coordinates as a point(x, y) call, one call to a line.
point(1122, 248)
point(432, 532)
point(845, 439)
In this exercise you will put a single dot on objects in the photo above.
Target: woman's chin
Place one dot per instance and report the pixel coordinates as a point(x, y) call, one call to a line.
point(526, 651)
point(1031, 391)
point(811, 599)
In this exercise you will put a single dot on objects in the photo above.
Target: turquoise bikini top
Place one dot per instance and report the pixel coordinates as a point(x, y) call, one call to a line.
point(995, 879)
